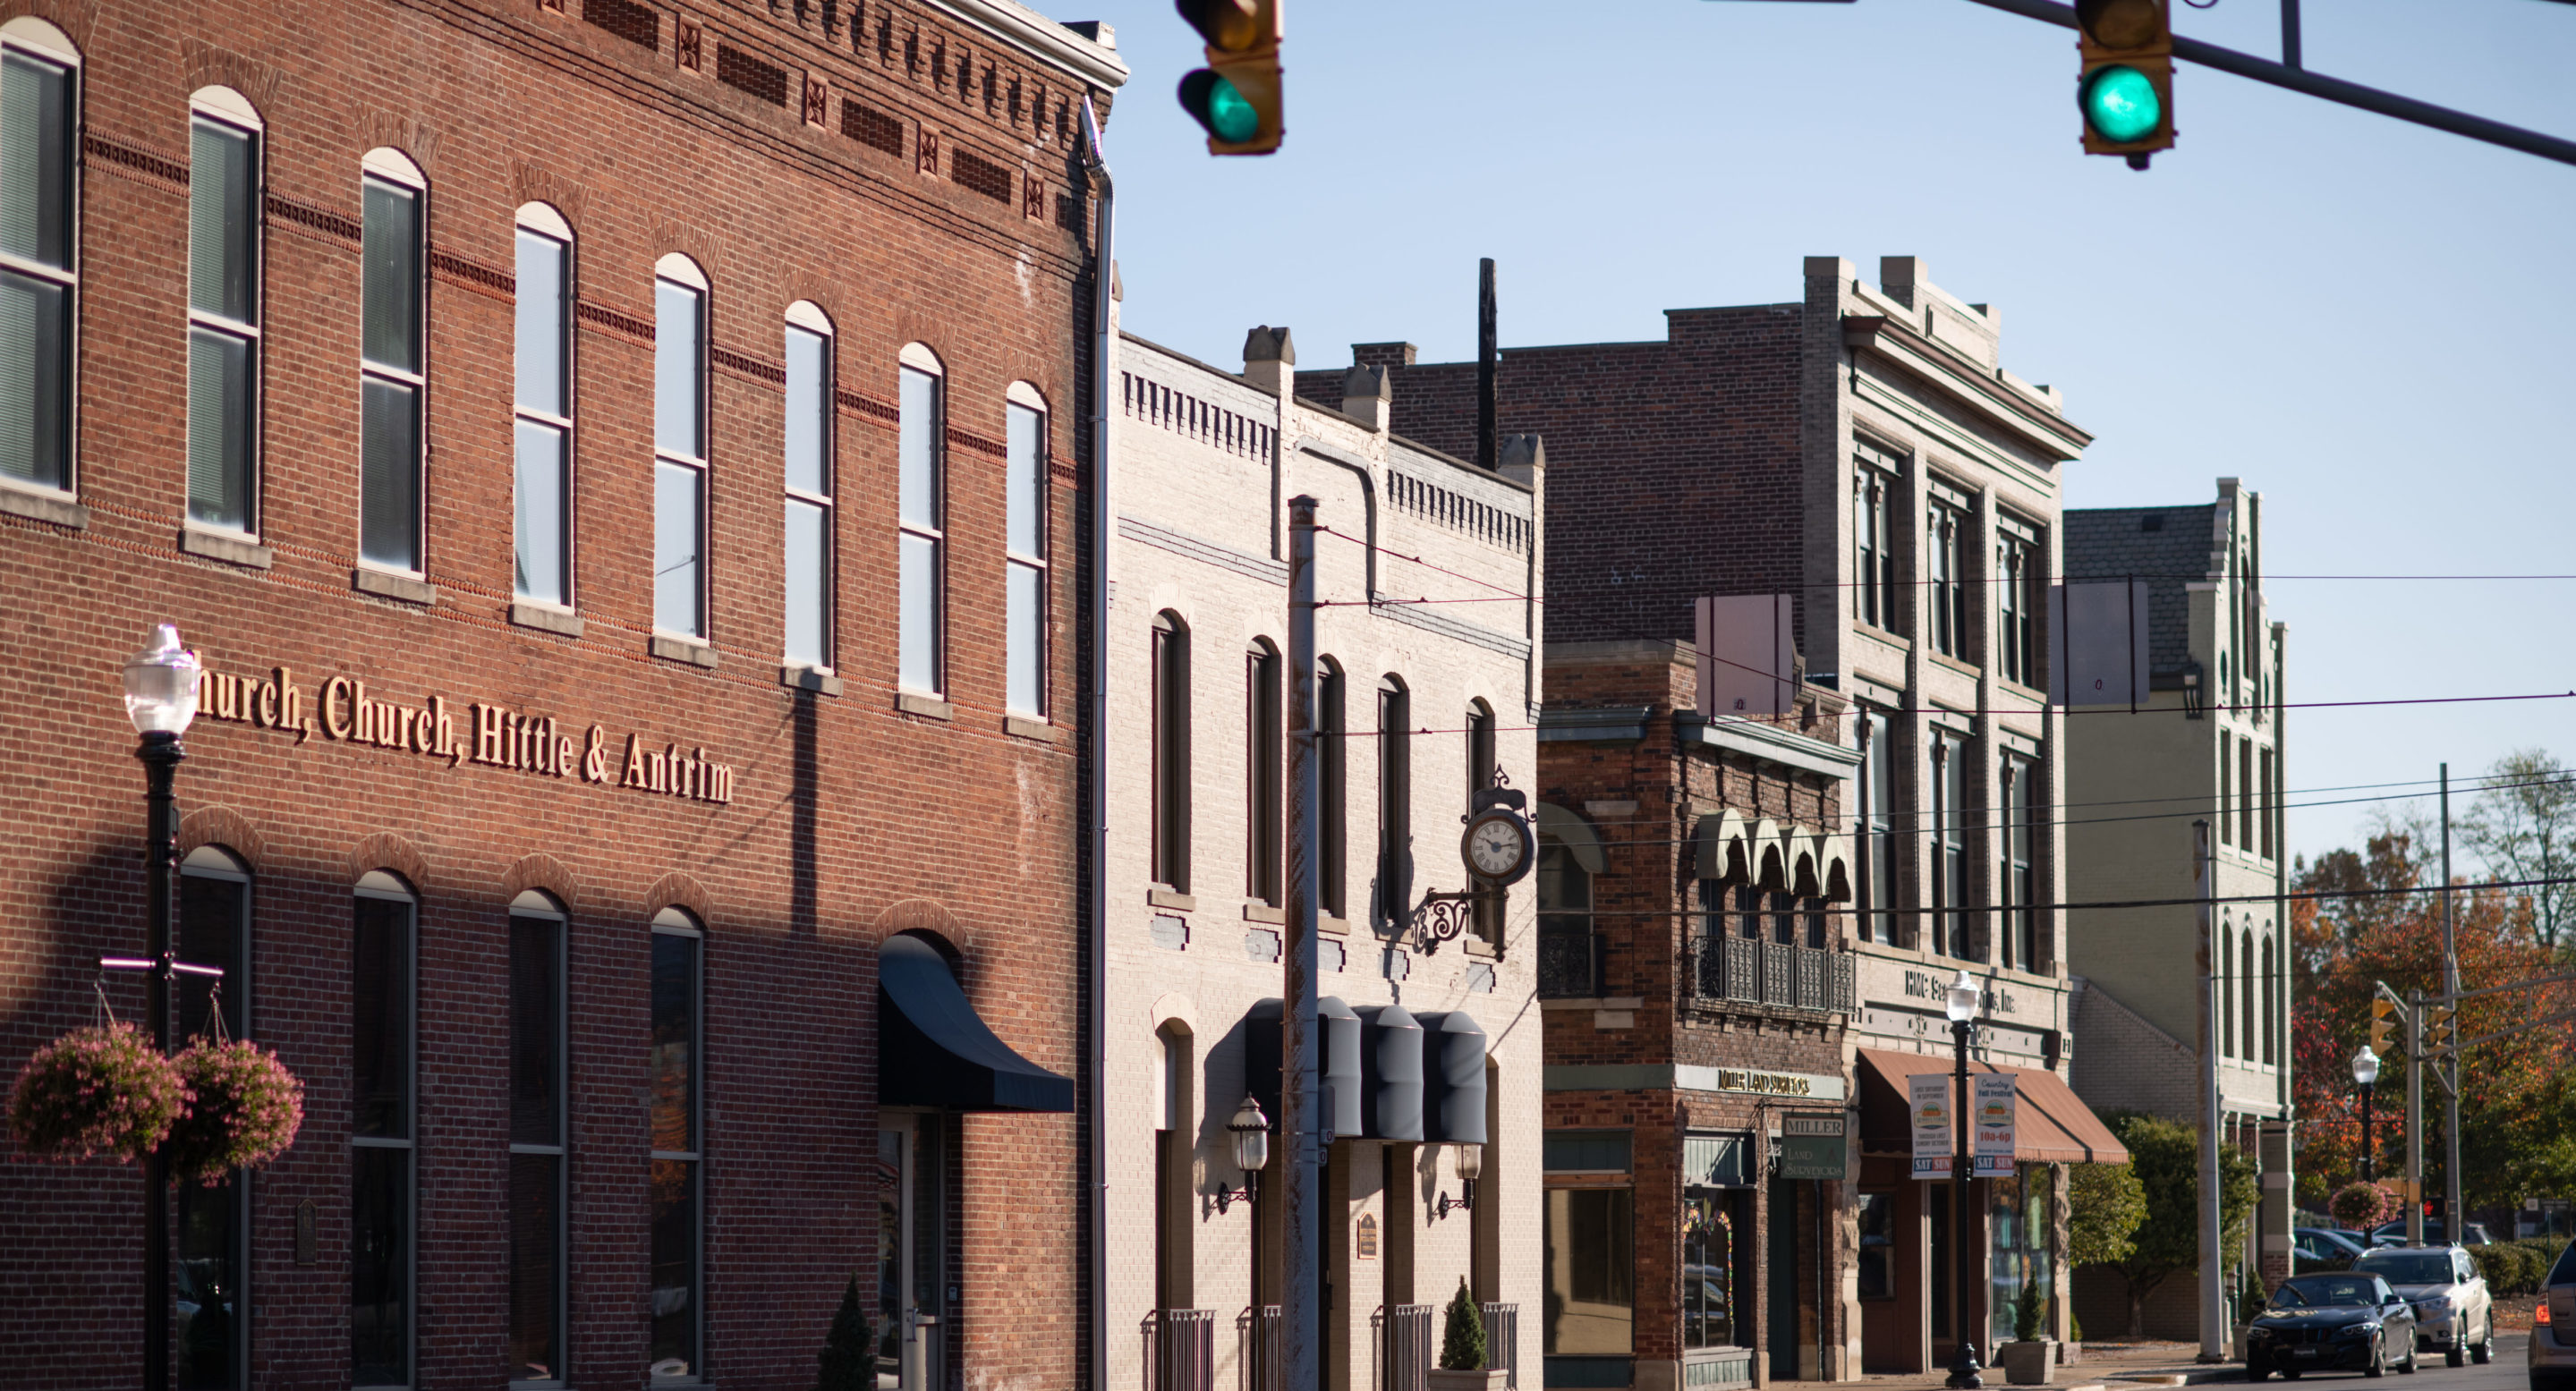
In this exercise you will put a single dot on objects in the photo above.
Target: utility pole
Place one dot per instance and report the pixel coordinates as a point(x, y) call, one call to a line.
point(1300, 1105)
point(2454, 1228)
point(2213, 1292)
point(2415, 1118)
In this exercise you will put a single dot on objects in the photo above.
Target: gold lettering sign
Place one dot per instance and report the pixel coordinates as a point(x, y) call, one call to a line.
point(1769, 1083)
point(344, 711)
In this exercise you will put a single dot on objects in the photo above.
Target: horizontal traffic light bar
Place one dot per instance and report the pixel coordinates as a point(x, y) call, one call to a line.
point(2335, 89)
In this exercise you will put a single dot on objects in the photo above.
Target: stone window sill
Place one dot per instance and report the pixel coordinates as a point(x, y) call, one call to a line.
point(1869, 629)
point(689, 650)
point(546, 618)
point(804, 678)
point(1947, 662)
point(43, 505)
point(1161, 897)
point(386, 584)
point(1022, 727)
point(226, 547)
point(1264, 913)
point(928, 706)
point(1337, 927)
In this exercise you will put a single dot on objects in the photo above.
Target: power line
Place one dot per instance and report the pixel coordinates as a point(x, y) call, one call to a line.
point(1928, 910)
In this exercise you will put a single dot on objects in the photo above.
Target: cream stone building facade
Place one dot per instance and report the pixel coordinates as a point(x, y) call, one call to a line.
point(1430, 701)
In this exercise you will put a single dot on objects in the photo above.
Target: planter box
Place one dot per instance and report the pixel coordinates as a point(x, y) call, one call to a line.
point(2068, 1354)
point(1489, 1379)
point(2029, 1364)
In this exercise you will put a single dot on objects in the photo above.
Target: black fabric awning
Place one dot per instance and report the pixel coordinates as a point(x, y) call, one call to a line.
point(933, 1049)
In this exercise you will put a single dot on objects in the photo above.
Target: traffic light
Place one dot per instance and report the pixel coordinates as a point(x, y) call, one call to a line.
point(1236, 96)
point(2383, 1025)
point(2441, 1025)
point(2126, 89)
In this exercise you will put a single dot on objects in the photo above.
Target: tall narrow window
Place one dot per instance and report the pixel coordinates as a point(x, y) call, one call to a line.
point(1480, 775)
point(214, 1218)
point(382, 1210)
point(1873, 551)
point(1025, 542)
point(2226, 800)
point(677, 1196)
point(2019, 883)
point(223, 317)
point(537, 1075)
point(922, 514)
point(1945, 534)
point(1394, 801)
point(1332, 778)
point(2245, 794)
point(1878, 845)
point(2016, 612)
point(2245, 993)
point(680, 448)
point(389, 524)
point(1263, 838)
point(2270, 989)
point(1175, 1199)
point(1950, 842)
point(38, 255)
point(2226, 991)
point(1171, 752)
point(541, 434)
point(808, 550)
point(2271, 790)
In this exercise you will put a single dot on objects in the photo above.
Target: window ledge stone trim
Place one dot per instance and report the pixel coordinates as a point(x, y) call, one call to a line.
point(1337, 927)
point(546, 618)
point(1265, 913)
point(233, 550)
point(1022, 727)
point(43, 506)
point(1161, 897)
point(679, 649)
point(385, 584)
point(927, 706)
point(796, 676)
point(1960, 665)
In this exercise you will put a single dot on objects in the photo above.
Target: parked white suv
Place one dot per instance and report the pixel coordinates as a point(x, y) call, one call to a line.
point(2452, 1311)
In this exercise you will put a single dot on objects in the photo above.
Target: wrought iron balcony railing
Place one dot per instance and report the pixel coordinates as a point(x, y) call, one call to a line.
point(1752, 971)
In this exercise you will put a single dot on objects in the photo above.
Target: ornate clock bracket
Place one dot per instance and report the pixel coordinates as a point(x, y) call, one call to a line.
point(1443, 916)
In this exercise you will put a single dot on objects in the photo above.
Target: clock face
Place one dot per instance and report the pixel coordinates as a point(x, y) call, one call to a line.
point(1495, 846)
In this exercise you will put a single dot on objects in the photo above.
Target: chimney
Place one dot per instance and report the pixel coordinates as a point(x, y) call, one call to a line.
point(1524, 458)
point(1486, 352)
point(1898, 275)
point(1269, 358)
point(1368, 396)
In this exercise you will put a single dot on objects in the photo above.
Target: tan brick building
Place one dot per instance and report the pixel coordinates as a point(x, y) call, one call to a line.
point(535, 412)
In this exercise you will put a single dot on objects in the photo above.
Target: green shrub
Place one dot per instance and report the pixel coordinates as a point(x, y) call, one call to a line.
point(2030, 1313)
point(1462, 1342)
point(849, 1353)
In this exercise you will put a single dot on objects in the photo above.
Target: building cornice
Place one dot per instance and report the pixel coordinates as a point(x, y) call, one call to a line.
point(1040, 37)
point(1967, 383)
point(1767, 742)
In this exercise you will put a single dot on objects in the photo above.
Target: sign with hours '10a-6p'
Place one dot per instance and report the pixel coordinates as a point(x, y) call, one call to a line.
point(1994, 1118)
point(1927, 1096)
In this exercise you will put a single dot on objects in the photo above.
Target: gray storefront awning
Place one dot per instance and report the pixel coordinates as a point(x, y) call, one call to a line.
point(933, 1049)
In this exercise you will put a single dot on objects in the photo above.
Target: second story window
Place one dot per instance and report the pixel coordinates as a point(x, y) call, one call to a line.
point(680, 448)
point(223, 313)
point(2020, 883)
point(541, 430)
point(921, 511)
point(38, 270)
point(1332, 779)
point(2016, 601)
point(389, 511)
point(2226, 792)
point(1394, 801)
point(1950, 844)
point(1481, 767)
point(1878, 846)
point(1171, 679)
point(807, 553)
point(2270, 788)
point(1873, 548)
point(1025, 544)
point(1263, 840)
point(1945, 578)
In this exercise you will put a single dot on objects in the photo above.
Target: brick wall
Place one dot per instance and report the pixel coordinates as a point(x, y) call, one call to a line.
point(848, 819)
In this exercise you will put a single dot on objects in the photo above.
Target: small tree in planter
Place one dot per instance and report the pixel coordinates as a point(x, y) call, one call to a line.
point(1462, 1349)
point(2032, 1360)
point(101, 1090)
point(245, 1112)
point(849, 1352)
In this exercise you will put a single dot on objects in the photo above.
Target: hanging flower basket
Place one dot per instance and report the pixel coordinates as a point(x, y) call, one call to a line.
point(246, 1111)
point(101, 1090)
point(2363, 1206)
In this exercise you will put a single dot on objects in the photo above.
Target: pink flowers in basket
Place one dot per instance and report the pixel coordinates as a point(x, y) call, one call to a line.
point(106, 1090)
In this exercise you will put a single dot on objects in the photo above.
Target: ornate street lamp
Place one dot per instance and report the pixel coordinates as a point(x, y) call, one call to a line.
point(161, 700)
point(2365, 1075)
point(1249, 1131)
point(1471, 1167)
point(1960, 1003)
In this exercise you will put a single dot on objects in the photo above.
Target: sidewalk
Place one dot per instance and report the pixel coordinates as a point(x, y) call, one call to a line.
point(2105, 1367)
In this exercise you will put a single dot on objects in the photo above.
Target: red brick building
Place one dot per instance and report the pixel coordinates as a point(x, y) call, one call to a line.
point(617, 463)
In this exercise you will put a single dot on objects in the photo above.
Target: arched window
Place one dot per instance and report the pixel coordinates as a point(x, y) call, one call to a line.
point(542, 396)
point(382, 1121)
point(392, 195)
point(1569, 855)
point(1332, 778)
point(223, 311)
point(675, 1072)
point(2271, 1003)
point(538, 1077)
point(1264, 839)
point(680, 448)
point(1394, 801)
point(214, 1219)
point(1482, 765)
point(2245, 990)
point(922, 518)
point(1175, 1196)
point(1026, 550)
point(1171, 680)
point(807, 548)
point(39, 252)
point(2225, 993)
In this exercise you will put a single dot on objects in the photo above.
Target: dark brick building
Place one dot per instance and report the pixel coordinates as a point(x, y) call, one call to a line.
point(617, 463)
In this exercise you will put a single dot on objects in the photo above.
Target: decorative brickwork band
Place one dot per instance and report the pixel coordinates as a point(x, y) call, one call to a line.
point(688, 43)
point(306, 217)
point(615, 321)
point(473, 273)
point(123, 158)
point(748, 365)
point(868, 406)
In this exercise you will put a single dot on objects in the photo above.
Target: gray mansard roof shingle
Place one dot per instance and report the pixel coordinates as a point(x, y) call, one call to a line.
point(2110, 543)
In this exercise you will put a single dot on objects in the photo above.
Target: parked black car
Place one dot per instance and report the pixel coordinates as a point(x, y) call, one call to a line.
point(2351, 1321)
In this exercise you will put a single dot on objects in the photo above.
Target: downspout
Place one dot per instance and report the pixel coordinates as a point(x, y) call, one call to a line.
point(1104, 272)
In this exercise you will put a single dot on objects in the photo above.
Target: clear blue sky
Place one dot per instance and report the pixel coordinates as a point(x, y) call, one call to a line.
point(2368, 321)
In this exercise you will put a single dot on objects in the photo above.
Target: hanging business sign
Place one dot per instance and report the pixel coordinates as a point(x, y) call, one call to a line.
point(1811, 1144)
point(1927, 1096)
point(1994, 1098)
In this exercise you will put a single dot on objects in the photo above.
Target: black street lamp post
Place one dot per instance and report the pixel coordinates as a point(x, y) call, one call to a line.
point(161, 700)
point(2365, 1075)
point(1961, 1006)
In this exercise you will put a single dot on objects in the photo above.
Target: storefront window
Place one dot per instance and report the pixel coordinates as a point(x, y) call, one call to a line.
point(1591, 1245)
point(2020, 1216)
point(1877, 1263)
point(1708, 1270)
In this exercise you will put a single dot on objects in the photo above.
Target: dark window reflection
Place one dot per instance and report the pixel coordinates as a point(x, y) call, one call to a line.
point(675, 1268)
point(380, 1267)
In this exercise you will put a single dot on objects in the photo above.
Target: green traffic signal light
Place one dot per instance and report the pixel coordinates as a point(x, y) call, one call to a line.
point(1220, 107)
point(2120, 104)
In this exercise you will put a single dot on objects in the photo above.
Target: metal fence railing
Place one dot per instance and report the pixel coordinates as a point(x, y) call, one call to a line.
point(1256, 1349)
point(1503, 1341)
point(1569, 963)
point(1400, 1339)
point(1752, 971)
point(1180, 1350)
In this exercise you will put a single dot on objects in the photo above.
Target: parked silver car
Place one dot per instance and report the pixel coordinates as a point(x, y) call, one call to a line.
point(2453, 1314)
point(2553, 1328)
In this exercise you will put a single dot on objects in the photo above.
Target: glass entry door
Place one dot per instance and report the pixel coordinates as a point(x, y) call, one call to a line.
point(908, 1246)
